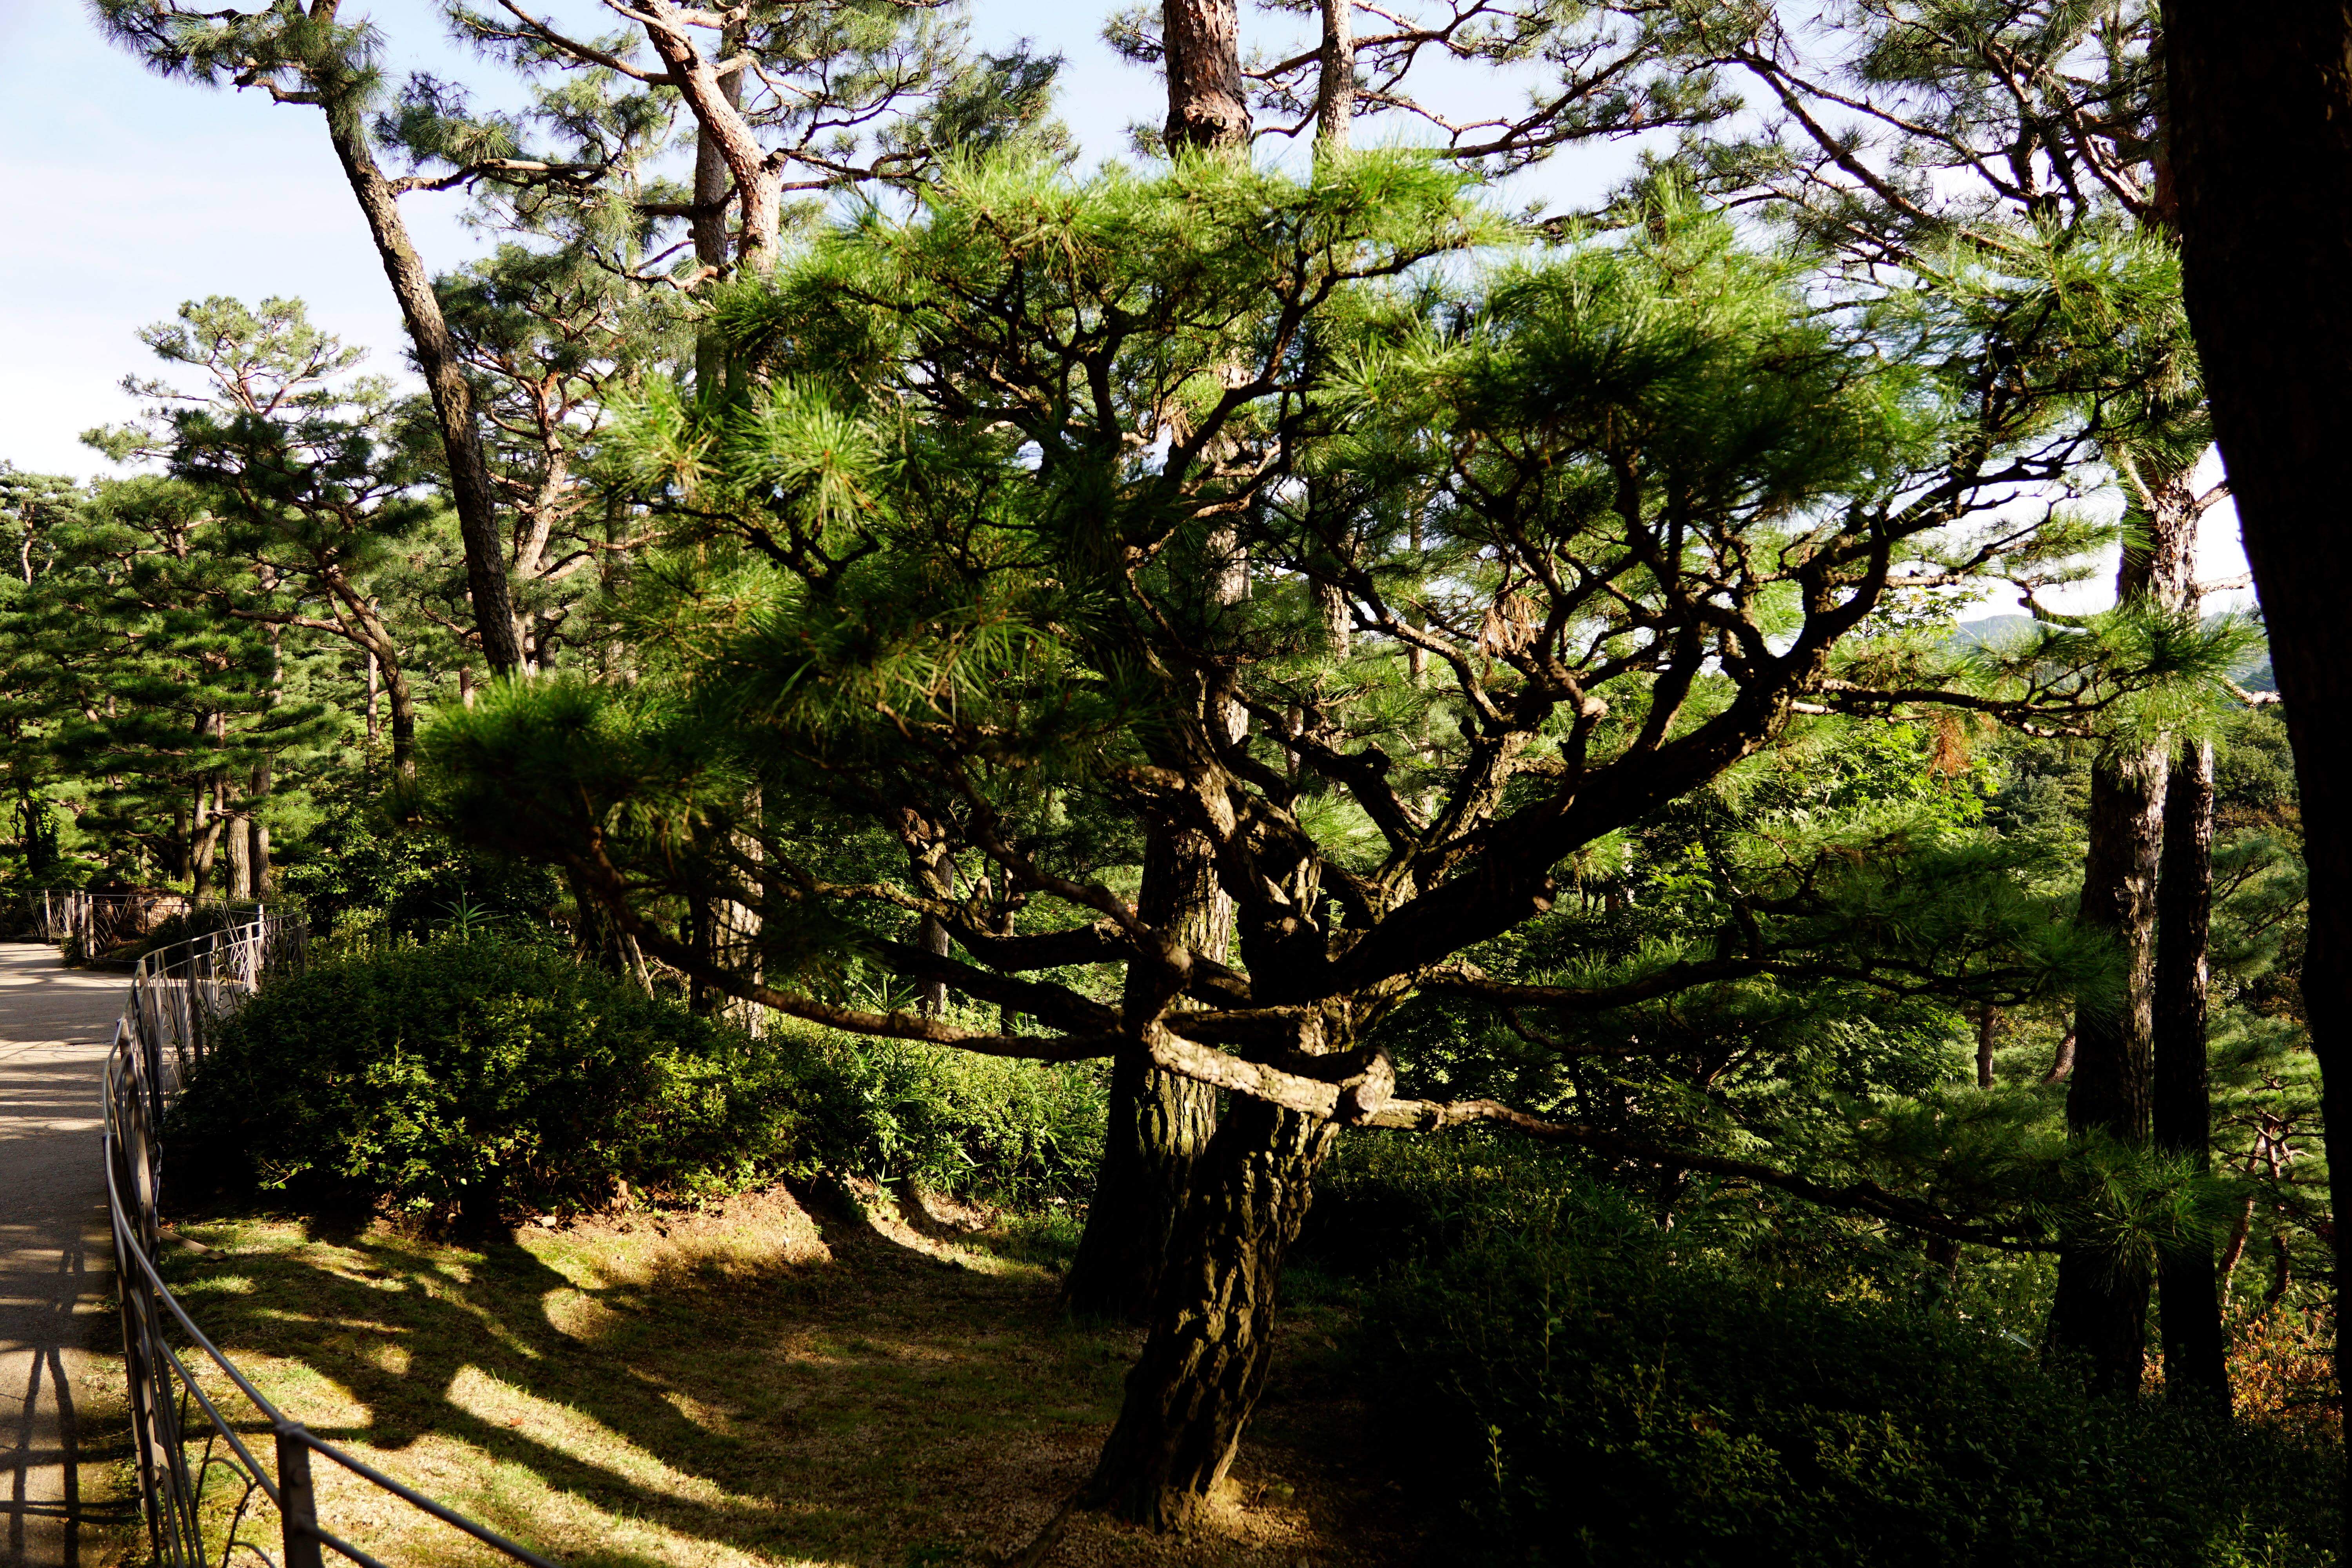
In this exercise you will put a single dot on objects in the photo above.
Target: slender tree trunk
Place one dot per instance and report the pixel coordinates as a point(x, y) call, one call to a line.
point(2190, 1301)
point(2100, 1310)
point(402, 699)
point(207, 839)
point(259, 793)
point(2062, 1060)
point(239, 835)
point(1988, 1036)
point(1203, 1365)
point(738, 935)
point(452, 400)
point(928, 868)
point(2261, 107)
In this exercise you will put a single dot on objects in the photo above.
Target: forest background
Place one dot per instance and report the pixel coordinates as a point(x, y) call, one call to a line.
point(1356, 639)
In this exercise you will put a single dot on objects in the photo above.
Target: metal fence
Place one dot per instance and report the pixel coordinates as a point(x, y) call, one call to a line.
point(90, 926)
point(222, 1471)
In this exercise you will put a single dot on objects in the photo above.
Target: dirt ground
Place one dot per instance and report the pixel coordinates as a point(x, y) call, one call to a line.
point(754, 1385)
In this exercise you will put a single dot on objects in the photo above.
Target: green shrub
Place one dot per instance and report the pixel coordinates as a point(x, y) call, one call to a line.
point(1012, 1132)
point(496, 1075)
point(360, 883)
point(1591, 1389)
point(477, 1077)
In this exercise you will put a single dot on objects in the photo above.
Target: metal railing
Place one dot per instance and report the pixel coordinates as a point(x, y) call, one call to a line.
point(205, 1491)
point(88, 926)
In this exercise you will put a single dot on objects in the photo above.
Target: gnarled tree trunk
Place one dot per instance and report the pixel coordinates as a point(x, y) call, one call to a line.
point(1203, 1365)
point(1160, 1124)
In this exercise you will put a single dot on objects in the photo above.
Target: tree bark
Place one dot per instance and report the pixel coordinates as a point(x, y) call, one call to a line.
point(1203, 1365)
point(1160, 1125)
point(452, 400)
point(2100, 1310)
point(2189, 1294)
point(239, 835)
point(714, 99)
point(403, 701)
point(207, 839)
point(2261, 107)
point(2099, 1313)
point(260, 790)
point(1208, 108)
point(1335, 85)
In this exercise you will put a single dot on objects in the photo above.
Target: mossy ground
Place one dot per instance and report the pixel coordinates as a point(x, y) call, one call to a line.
point(747, 1386)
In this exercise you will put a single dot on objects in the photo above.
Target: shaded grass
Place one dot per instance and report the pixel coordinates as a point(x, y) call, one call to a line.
point(739, 1388)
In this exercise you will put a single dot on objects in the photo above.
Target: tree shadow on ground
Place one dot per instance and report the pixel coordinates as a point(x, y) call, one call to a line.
point(714, 1391)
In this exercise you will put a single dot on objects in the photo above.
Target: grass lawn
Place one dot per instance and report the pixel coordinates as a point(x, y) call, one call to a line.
point(747, 1386)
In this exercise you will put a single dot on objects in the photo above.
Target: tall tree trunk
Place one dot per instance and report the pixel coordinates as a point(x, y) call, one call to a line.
point(452, 400)
point(1335, 101)
point(2099, 1313)
point(259, 791)
point(403, 701)
point(207, 839)
point(2188, 1292)
point(2261, 107)
point(1204, 1364)
point(2100, 1310)
point(712, 248)
point(239, 835)
point(1208, 106)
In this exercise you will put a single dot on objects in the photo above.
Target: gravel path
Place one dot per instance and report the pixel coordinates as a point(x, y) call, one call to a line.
point(55, 1261)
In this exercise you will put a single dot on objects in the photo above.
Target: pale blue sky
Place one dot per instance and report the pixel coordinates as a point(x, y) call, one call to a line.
point(128, 193)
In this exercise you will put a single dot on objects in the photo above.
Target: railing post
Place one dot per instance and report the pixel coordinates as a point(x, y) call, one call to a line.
point(298, 1502)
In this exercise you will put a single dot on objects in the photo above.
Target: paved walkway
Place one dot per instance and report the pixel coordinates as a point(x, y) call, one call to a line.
point(55, 1260)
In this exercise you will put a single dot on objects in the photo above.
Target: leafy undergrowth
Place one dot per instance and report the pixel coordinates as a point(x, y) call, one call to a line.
point(747, 1386)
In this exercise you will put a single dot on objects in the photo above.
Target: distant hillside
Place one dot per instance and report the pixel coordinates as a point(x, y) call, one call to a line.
point(2253, 674)
point(1990, 629)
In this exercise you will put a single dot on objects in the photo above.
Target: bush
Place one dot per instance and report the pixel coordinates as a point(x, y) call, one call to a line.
point(1591, 1394)
point(479, 1078)
point(1012, 1132)
point(360, 882)
point(492, 1076)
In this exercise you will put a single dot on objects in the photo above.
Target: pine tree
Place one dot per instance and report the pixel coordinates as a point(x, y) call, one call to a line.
point(965, 517)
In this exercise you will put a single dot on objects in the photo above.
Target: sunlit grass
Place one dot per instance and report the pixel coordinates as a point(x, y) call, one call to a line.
point(734, 1388)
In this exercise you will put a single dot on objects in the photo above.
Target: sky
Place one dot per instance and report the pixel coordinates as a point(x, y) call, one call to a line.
point(128, 193)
